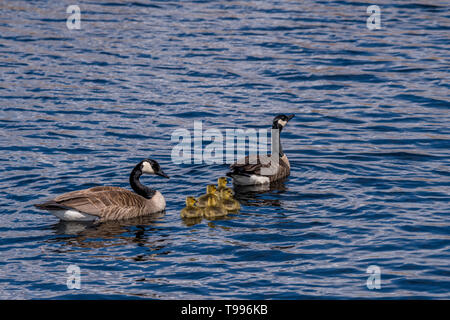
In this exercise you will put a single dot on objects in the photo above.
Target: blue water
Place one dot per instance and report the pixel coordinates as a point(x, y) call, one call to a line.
point(369, 146)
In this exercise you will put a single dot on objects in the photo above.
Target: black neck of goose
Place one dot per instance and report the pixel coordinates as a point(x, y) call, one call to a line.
point(280, 128)
point(137, 186)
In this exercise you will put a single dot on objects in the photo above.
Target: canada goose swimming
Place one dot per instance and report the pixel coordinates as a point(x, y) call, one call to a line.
point(245, 172)
point(110, 203)
point(190, 211)
point(230, 204)
point(214, 209)
point(210, 193)
point(222, 185)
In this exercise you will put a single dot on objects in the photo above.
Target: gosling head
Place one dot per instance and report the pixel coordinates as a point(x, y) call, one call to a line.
point(150, 166)
point(222, 182)
point(280, 121)
point(190, 201)
point(211, 189)
point(226, 194)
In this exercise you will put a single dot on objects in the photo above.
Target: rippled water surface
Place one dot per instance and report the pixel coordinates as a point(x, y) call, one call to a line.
point(369, 146)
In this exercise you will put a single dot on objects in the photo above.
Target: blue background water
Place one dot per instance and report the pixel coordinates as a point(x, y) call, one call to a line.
point(369, 146)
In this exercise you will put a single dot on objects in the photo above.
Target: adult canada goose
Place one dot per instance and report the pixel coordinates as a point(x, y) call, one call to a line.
point(110, 203)
point(256, 169)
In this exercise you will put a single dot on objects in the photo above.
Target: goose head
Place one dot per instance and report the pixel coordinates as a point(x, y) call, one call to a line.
point(280, 121)
point(149, 166)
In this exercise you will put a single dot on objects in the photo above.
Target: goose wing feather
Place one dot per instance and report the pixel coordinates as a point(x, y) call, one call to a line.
point(77, 193)
point(252, 165)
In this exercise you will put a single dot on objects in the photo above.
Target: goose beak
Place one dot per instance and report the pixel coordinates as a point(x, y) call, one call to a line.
point(290, 116)
point(162, 174)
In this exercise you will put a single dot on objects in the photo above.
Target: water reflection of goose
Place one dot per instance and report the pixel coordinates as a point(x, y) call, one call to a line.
point(251, 195)
point(98, 235)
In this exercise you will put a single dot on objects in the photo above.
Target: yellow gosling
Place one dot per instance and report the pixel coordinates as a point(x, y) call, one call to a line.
point(228, 202)
point(190, 211)
point(210, 193)
point(222, 185)
point(214, 209)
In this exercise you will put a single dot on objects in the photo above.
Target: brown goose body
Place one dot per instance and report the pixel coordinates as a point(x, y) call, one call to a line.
point(246, 171)
point(109, 203)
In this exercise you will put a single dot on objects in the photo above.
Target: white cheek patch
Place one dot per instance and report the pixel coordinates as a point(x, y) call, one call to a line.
point(73, 215)
point(147, 168)
point(282, 123)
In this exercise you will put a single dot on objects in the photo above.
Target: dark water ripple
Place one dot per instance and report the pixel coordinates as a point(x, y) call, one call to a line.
point(369, 146)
